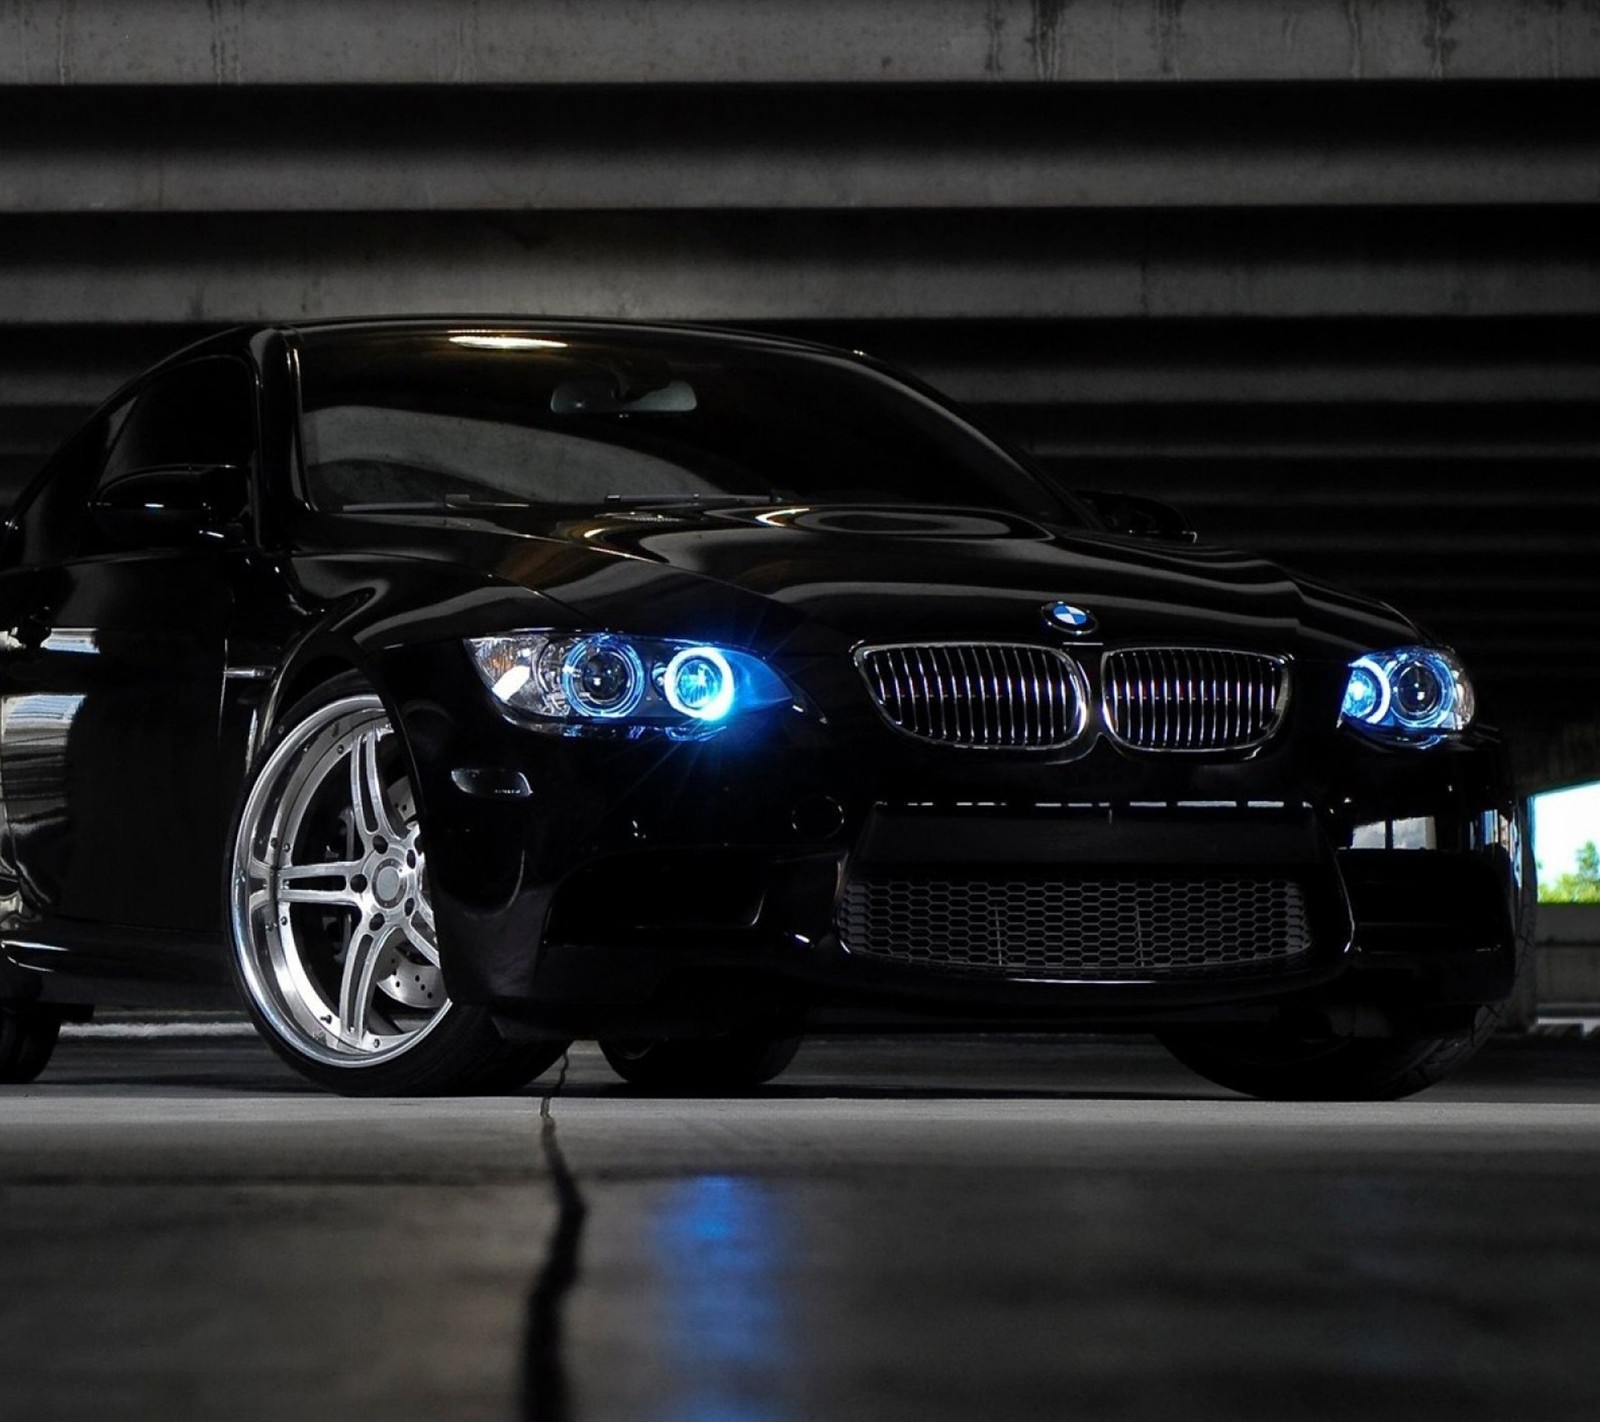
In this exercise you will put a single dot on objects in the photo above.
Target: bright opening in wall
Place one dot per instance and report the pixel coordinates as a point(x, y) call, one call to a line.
point(1566, 831)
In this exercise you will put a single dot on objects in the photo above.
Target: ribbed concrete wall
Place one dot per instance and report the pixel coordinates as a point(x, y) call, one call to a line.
point(1325, 273)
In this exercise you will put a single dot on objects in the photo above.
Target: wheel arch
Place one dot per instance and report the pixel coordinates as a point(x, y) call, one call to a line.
point(317, 658)
point(314, 662)
point(300, 678)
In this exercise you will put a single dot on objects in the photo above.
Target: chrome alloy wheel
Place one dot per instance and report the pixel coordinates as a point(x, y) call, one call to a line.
point(330, 914)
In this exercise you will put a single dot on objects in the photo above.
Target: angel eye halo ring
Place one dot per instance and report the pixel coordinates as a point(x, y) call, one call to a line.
point(699, 682)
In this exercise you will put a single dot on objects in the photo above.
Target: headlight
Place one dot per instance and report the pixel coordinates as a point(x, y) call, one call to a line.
point(1412, 695)
point(585, 681)
point(602, 677)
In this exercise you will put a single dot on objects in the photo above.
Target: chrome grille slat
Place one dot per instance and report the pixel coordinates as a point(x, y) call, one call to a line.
point(893, 684)
point(974, 705)
point(926, 720)
point(985, 700)
point(949, 706)
point(1192, 698)
point(978, 695)
point(1034, 706)
point(940, 699)
point(1210, 715)
point(1005, 692)
point(1172, 730)
point(1146, 704)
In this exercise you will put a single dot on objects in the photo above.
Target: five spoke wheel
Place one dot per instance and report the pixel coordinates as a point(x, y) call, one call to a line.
point(332, 923)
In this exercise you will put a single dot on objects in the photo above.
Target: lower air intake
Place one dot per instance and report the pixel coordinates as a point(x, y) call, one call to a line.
point(1079, 929)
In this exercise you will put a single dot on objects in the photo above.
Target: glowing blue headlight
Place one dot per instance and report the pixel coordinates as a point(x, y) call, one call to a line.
point(581, 682)
point(1410, 695)
point(699, 682)
point(603, 677)
point(1366, 694)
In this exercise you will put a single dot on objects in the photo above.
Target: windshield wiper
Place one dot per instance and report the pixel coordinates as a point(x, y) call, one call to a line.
point(449, 501)
point(408, 506)
point(772, 497)
point(483, 501)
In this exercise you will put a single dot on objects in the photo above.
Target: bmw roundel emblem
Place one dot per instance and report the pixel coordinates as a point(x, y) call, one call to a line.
point(1067, 618)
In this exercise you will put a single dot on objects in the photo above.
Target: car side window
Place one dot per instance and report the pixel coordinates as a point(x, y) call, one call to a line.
point(50, 519)
point(200, 413)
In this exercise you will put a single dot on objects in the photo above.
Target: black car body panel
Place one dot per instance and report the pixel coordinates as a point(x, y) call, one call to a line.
point(595, 885)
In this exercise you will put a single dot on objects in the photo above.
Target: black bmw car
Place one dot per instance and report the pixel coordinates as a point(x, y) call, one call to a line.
point(452, 689)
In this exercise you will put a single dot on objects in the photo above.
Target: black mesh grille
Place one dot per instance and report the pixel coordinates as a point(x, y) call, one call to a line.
point(1192, 698)
point(1078, 928)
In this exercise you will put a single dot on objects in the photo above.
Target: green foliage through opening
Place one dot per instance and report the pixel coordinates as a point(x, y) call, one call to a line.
point(1580, 887)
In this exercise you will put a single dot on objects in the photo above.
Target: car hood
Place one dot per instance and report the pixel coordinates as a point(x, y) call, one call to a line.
point(812, 577)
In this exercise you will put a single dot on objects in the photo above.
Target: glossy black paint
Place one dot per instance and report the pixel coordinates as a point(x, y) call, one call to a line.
point(650, 885)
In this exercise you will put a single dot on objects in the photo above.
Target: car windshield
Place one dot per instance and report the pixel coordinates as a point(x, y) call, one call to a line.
point(438, 418)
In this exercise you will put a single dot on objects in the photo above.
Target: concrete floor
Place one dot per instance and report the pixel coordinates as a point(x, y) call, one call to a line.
point(916, 1229)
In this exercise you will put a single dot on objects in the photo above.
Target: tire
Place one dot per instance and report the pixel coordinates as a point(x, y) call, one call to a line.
point(1279, 1065)
point(1275, 1064)
point(334, 948)
point(27, 1039)
point(702, 1064)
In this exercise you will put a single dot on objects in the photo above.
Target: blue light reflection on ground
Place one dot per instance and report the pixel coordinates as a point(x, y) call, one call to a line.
point(722, 1246)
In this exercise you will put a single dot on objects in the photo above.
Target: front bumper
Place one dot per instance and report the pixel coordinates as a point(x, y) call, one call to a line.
point(593, 887)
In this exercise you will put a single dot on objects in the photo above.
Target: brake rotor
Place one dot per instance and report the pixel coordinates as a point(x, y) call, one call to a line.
point(409, 982)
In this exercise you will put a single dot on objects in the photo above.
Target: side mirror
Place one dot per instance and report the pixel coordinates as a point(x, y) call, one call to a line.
point(173, 504)
point(1139, 517)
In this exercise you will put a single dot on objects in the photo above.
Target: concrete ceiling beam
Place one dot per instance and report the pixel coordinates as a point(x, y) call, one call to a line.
point(267, 42)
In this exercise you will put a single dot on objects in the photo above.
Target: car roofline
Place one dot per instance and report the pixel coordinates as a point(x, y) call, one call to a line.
point(599, 325)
